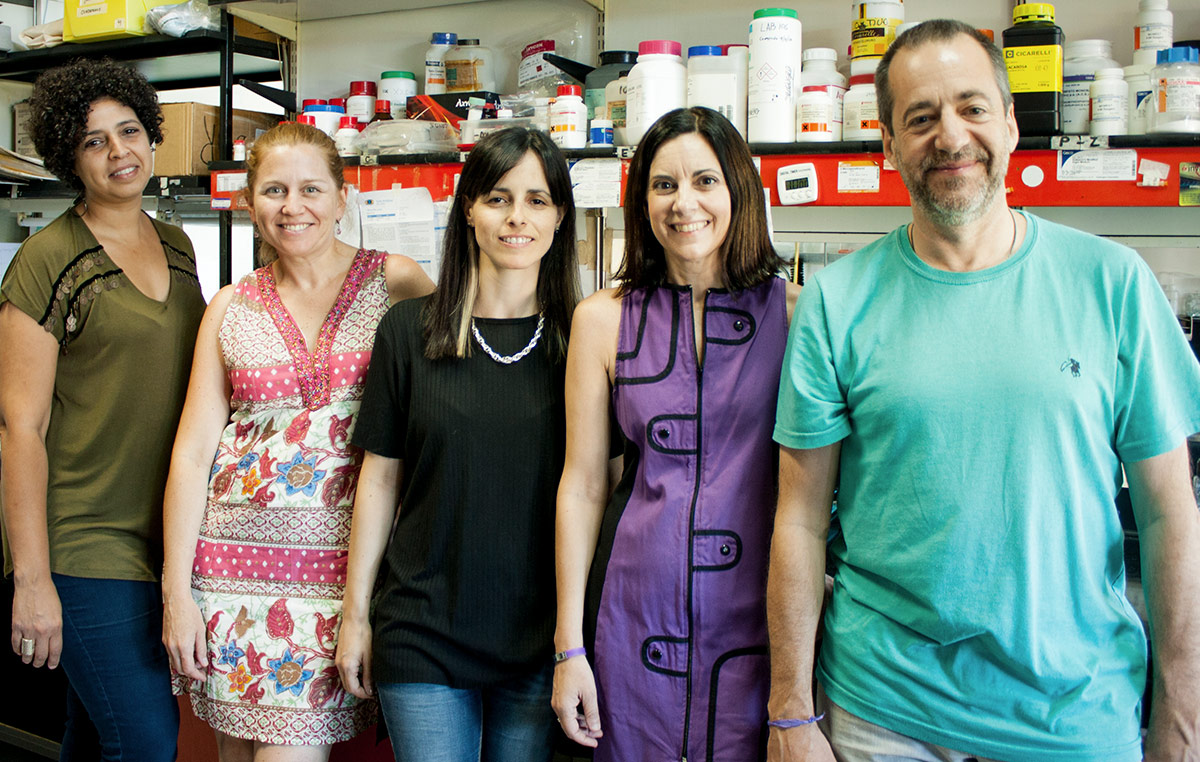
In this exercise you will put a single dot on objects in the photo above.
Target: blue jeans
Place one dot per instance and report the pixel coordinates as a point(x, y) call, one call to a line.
point(119, 702)
point(512, 722)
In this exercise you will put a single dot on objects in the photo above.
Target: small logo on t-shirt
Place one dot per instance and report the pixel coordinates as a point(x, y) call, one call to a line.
point(1072, 364)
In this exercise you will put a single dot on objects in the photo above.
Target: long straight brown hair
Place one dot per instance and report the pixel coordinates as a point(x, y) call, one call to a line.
point(446, 317)
point(747, 257)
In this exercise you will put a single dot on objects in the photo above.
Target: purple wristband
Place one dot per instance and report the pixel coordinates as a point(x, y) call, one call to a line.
point(562, 656)
point(785, 724)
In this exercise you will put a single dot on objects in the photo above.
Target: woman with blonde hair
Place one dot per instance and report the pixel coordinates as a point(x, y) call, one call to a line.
point(256, 535)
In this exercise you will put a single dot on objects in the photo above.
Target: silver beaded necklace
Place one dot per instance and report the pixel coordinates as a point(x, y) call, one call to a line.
point(508, 359)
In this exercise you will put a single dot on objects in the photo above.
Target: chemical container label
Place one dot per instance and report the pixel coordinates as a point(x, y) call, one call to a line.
point(872, 37)
point(533, 66)
point(717, 91)
point(463, 75)
point(1153, 36)
point(1178, 94)
point(1034, 68)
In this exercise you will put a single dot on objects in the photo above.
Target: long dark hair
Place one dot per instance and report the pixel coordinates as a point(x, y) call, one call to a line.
point(446, 317)
point(747, 257)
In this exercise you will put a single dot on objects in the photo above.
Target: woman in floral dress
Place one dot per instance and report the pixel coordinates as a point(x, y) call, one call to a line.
point(254, 575)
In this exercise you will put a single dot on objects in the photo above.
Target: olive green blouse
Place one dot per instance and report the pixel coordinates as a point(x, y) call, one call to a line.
point(119, 387)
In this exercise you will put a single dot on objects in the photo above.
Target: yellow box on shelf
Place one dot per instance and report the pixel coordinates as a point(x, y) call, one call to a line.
point(89, 20)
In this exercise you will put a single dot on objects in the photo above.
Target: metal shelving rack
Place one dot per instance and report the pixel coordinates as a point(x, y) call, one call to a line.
point(200, 58)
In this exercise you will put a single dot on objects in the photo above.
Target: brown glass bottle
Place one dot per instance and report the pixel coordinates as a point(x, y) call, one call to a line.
point(1034, 59)
point(383, 111)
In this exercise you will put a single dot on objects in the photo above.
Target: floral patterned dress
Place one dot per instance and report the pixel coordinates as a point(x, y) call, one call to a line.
point(271, 557)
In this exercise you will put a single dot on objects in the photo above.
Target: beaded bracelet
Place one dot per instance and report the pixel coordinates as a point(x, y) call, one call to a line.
point(785, 724)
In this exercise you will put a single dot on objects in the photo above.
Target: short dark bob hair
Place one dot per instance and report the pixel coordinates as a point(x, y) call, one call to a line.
point(747, 256)
point(63, 97)
point(446, 317)
point(935, 30)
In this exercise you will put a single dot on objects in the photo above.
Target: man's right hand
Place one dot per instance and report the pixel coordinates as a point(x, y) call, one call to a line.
point(37, 615)
point(803, 744)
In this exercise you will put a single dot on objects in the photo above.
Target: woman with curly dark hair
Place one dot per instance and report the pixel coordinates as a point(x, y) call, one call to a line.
point(98, 316)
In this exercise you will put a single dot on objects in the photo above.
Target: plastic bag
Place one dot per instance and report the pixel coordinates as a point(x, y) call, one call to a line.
point(181, 18)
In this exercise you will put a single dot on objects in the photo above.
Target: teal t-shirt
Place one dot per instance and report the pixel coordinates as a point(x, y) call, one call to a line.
point(979, 594)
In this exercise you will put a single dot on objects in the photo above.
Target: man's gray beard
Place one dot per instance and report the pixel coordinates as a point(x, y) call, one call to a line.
point(950, 216)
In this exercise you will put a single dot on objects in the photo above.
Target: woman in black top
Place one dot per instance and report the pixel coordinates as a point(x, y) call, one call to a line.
point(462, 424)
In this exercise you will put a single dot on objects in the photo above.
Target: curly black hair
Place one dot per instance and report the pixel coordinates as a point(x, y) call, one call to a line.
point(63, 97)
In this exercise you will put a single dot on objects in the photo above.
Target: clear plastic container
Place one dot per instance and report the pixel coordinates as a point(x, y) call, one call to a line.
point(473, 131)
point(1109, 114)
point(1176, 91)
point(657, 84)
point(469, 68)
point(1083, 58)
point(408, 136)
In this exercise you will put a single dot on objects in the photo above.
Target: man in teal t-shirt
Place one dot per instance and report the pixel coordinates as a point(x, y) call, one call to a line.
point(974, 383)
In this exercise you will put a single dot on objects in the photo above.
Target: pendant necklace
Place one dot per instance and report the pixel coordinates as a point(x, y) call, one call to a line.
point(508, 359)
point(1012, 246)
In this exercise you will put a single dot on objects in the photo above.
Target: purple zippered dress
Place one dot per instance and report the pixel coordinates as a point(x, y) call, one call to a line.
point(677, 591)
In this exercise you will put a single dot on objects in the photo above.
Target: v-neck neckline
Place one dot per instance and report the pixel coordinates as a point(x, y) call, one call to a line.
point(312, 369)
point(97, 246)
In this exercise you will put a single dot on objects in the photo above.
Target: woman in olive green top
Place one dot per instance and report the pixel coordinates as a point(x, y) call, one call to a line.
point(98, 318)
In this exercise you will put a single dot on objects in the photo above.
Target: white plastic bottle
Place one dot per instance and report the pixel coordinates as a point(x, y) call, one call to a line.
point(1082, 59)
point(861, 106)
point(774, 75)
point(345, 137)
point(361, 103)
point(711, 80)
point(614, 106)
point(1155, 26)
point(1140, 98)
point(469, 68)
point(657, 84)
point(1109, 114)
point(739, 53)
point(814, 115)
point(568, 118)
point(1176, 91)
point(820, 69)
point(397, 87)
point(435, 62)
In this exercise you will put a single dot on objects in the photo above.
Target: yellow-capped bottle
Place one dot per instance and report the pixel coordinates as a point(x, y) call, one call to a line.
point(1033, 55)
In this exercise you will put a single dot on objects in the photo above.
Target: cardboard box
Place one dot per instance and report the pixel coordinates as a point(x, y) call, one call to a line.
point(190, 136)
point(22, 140)
point(89, 20)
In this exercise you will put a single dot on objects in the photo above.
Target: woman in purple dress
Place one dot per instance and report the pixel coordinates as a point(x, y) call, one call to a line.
point(661, 635)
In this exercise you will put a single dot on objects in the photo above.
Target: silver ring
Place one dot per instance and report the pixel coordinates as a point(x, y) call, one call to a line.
point(27, 645)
